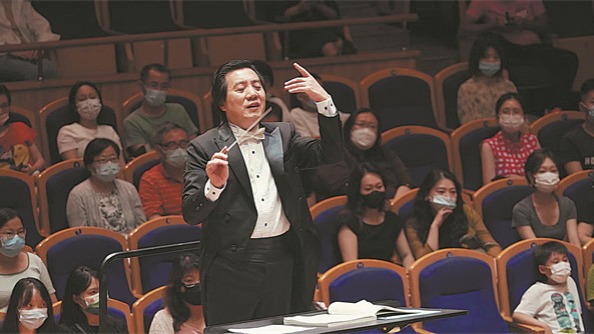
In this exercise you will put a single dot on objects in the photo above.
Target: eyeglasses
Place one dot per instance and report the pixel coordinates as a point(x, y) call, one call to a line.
point(11, 234)
point(102, 161)
point(173, 145)
point(372, 126)
point(189, 285)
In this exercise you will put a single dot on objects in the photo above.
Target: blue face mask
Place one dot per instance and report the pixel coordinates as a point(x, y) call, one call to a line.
point(489, 69)
point(108, 171)
point(12, 247)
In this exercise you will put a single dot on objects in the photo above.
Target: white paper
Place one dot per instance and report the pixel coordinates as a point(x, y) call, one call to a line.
point(270, 329)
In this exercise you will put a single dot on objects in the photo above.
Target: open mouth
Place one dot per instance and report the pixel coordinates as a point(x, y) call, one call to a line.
point(254, 106)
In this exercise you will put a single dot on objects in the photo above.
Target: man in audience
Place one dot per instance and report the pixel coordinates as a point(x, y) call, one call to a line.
point(140, 125)
point(21, 24)
point(161, 186)
point(577, 146)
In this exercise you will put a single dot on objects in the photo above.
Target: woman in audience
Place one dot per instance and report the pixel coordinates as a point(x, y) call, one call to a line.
point(505, 154)
point(30, 309)
point(478, 95)
point(18, 150)
point(183, 300)
point(85, 103)
point(102, 200)
point(15, 263)
point(80, 305)
point(542, 214)
point(369, 229)
point(440, 219)
point(362, 139)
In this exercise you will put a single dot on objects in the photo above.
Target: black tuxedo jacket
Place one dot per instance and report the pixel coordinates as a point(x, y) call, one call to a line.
point(227, 223)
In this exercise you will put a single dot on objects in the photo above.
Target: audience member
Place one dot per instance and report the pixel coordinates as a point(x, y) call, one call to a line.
point(440, 219)
point(80, 305)
point(369, 230)
point(305, 116)
point(325, 42)
point(102, 200)
point(85, 104)
point(15, 263)
point(362, 140)
point(520, 23)
point(268, 76)
point(542, 214)
point(30, 309)
point(577, 146)
point(18, 150)
point(585, 216)
point(553, 302)
point(183, 300)
point(487, 66)
point(140, 125)
point(21, 24)
point(160, 187)
point(505, 154)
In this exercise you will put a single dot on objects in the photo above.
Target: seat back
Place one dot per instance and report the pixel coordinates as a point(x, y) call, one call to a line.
point(495, 202)
point(150, 272)
point(68, 249)
point(18, 193)
point(345, 92)
point(466, 148)
point(401, 96)
point(458, 279)
point(447, 83)
point(579, 187)
point(56, 114)
point(145, 308)
point(325, 219)
point(134, 170)
point(371, 280)
point(431, 150)
point(550, 128)
point(402, 205)
point(189, 101)
point(55, 184)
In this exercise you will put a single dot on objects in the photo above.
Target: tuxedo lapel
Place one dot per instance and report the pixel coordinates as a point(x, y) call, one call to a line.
point(236, 163)
point(273, 148)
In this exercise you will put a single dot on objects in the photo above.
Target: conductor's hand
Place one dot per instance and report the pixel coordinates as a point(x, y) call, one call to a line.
point(306, 84)
point(217, 169)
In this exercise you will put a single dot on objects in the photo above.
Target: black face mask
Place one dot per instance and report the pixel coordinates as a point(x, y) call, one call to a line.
point(193, 295)
point(375, 200)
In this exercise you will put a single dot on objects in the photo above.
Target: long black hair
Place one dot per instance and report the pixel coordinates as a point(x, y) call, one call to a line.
point(355, 201)
point(21, 295)
point(456, 224)
point(174, 299)
point(78, 281)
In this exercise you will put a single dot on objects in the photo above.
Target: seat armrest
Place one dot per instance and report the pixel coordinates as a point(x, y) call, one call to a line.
point(521, 327)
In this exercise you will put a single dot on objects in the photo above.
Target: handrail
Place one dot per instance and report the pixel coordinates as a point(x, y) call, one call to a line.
point(182, 246)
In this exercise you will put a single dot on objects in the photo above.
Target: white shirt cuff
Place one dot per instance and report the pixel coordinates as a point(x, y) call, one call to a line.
point(211, 192)
point(327, 108)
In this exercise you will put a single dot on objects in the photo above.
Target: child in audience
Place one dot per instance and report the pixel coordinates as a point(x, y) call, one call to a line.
point(369, 229)
point(30, 309)
point(554, 302)
point(183, 300)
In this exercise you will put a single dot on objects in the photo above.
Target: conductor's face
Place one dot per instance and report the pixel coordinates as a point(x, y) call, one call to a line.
point(245, 99)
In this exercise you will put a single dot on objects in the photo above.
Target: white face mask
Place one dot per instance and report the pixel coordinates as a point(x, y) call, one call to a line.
point(511, 123)
point(3, 119)
point(108, 171)
point(546, 182)
point(560, 272)
point(440, 201)
point(177, 157)
point(363, 138)
point(155, 98)
point(89, 109)
point(33, 318)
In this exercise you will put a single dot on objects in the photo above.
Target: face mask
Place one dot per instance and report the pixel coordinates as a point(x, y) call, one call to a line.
point(511, 123)
point(363, 138)
point(177, 157)
point(108, 171)
point(33, 318)
point(439, 202)
point(4, 119)
point(89, 109)
point(12, 247)
point(193, 295)
point(155, 98)
point(560, 271)
point(375, 200)
point(546, 182)
point(92, 303)
point(489, 69)
point(590, 115)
